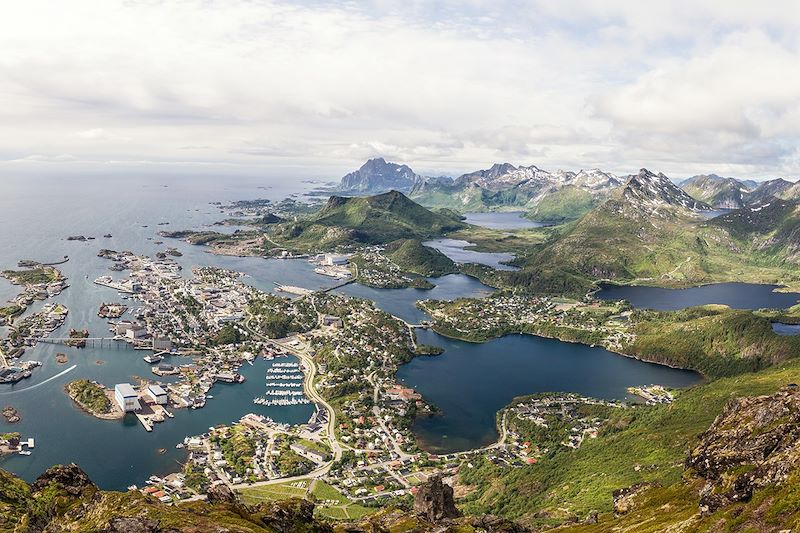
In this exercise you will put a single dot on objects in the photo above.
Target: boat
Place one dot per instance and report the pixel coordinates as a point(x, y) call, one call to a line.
point(152, 359)
point(209, 397)
point(133, 487)
point(25, 452)
point(179, 446)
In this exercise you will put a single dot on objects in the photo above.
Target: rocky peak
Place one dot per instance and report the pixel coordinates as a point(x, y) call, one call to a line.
point(376, 175)
point(434, 501)
point(651, 191)
point(753, 443)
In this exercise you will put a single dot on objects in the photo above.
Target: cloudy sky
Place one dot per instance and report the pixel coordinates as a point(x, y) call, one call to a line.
point(312, 89)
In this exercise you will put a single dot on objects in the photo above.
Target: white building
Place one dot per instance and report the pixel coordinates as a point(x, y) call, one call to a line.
point(126, 397)
point(157, 393)
point(334, 259)
point(136, 331)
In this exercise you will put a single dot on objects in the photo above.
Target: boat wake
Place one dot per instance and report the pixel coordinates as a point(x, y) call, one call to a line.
point(70, 369)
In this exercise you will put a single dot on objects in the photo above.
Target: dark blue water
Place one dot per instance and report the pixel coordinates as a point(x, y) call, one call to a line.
point(37, 215)
point(471, 382)
point(786, 329)
point(458, 251)
point(735, 295)
point(402, 302)
point(504, 220)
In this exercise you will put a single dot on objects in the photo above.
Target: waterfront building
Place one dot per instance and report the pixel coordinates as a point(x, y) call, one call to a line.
point(126, 397)
point(136, 331)
point(335, 259)
point(157, 393)
point(162, 344)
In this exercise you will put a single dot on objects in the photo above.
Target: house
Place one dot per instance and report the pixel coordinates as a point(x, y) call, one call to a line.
point(332, 321)
point(126, 397)
point(157, 393)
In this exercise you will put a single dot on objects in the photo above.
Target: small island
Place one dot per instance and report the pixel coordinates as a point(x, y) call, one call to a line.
point(11, 415)
point(93, 398)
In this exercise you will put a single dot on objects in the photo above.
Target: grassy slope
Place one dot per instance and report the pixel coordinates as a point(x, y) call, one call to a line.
point(412, 256)
point(568, 203)
point(611, 242)
point(642, 444)
point(715, 340)
point(369, 220)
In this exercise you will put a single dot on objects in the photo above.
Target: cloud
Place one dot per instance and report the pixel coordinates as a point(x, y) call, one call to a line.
point(444, 85)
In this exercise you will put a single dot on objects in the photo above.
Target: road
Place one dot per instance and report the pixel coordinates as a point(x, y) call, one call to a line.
point(310, 391)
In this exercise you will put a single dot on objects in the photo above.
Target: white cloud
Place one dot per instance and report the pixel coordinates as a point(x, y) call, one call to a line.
point(681, 86)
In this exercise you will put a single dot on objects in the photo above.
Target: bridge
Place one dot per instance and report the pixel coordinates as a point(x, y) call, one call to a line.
point(68, 340)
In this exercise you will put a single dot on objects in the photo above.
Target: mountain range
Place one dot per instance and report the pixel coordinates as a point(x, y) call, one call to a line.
point(730, 193)
point(551, 196)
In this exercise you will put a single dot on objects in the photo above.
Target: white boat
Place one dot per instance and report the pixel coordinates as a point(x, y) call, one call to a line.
point(25, 452)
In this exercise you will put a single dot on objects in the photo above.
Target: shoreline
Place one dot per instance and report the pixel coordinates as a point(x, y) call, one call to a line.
point(115, 414)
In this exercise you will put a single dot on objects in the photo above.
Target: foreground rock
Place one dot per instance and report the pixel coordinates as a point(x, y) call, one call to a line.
point(434, 501)
point(753, 444)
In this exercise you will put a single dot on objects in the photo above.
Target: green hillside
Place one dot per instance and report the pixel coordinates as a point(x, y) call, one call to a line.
point(376, 219)
point(645, 444)
point(567, 203)
point(412, 256)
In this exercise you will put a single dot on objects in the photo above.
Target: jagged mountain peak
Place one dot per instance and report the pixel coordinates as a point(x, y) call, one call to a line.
point(378, 175)
point(654, 191)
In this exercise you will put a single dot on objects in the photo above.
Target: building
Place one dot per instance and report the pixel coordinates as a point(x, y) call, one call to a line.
point(162, 344)
point(332, 321)
point(335, 259)
point(136, 331)
point(157, 393)
point(126, 397)
point(308, 453)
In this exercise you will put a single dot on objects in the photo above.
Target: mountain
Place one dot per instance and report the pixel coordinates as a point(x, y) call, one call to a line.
point(718, 192)
point(768, 189)
point(375, 219)
point(643, 231)
point(376, 176)
point(548, 195)
point(770, 227)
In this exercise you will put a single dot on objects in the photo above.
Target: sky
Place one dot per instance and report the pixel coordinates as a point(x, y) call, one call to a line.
point(312, 89)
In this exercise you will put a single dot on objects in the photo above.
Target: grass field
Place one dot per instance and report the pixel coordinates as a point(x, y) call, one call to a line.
point(330, 502)
point(278, 491)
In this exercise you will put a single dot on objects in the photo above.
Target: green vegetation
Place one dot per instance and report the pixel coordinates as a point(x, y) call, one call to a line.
point(89, 395)
point(274, 491)
point(715, 340)
point(567, 203)
point(227, 334)
point(636, 445)
point(11, 311)
point(367, 220)
point(237, 448)
point(34, 276)
point(412, 256)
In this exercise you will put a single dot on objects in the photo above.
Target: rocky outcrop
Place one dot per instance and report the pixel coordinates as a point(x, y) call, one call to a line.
point(69, 478)
point(624, 499)
point(135, 525)
point(291, 515)
point(754, 443)
point(434, 501)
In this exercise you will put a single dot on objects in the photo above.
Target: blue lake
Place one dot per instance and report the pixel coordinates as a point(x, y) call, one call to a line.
point(786, 329)
point(502, 220)
point(735, 295)
point(470, 382)
point(459, 251)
